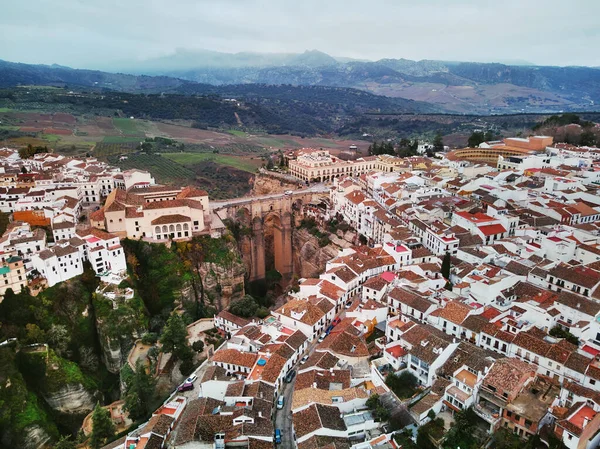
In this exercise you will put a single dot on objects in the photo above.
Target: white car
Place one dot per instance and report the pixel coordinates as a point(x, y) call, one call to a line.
point(303, 360)
point(288, 192)
point(191, 379)
point(280, 402)
point(322, 337)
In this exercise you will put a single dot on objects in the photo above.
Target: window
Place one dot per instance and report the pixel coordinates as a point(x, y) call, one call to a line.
point(592, 382)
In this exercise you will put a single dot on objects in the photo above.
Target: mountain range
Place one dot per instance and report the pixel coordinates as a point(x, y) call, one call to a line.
point(466, 87)
point(421, 86)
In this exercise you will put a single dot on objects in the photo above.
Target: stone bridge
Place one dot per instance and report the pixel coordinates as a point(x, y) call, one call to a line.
point(261, 215)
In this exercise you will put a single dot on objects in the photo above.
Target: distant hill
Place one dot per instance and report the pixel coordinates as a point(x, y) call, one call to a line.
point(453, 86)
point(301, 110)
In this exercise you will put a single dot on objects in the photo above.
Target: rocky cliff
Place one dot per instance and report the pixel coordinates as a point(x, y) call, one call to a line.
point(309, 257)
point(35, 437)
point(266, 183)
point(223, 275)
point(71, 399)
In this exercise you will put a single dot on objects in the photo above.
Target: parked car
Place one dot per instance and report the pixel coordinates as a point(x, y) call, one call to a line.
point(277, 436)
point(322, 337)
point(329, 329)
point(304, 359)
point(186, 386)
point(288, 192)
point(290, 375)
point(336, 322)
point(192, 378)
point(280, 402)
point(348, 304)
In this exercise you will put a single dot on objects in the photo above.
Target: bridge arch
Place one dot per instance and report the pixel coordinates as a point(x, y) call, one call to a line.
point(268, 223)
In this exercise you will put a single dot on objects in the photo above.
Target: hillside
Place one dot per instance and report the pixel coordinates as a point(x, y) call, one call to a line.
point(454, 86)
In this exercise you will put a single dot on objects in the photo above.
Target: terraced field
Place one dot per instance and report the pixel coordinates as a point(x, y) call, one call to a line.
point(245, 163)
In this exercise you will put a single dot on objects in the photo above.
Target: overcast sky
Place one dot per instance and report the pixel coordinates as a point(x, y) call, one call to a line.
point(100, 33)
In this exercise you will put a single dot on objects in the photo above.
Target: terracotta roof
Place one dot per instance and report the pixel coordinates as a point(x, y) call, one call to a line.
point(317, 417)
point(410, 299)
point(228, 316)
point(507, 373)
point(323, 379)
point(235, 357)
point(426, 342)
point(272, 369)
point(301, 310)
point(321, 360)
point(580, 275)
point(454, 311)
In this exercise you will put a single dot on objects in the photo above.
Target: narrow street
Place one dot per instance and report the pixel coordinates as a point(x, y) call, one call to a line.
point(283, 417)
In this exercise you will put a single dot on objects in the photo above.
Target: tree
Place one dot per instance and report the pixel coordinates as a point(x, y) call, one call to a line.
point(146, 147)
point(462, 434)
point(403, 385)
point(244, 307)
point(588, 138)
point(475, 139)
point(65, 442)
point(174, 338)
point(35, 334)
point(438, 143)
point(270, 164)
point(88, 360)
point(504, 439)
point(446, 266)
point(373, 401)
point(103, 429)
point(139, 394)
point(198, 346)
point(59, 338)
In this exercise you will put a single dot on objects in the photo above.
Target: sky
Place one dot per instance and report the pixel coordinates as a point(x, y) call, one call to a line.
point(108, 33)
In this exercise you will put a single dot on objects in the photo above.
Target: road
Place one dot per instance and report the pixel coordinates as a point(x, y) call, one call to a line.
point(316, 188)
point(283, 417)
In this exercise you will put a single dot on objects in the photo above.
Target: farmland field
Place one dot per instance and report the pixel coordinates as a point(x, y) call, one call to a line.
point(241, 163)
point(122, 139)
point(163, 169)
point(127, 126)
point(105, 149)
point(237, 133)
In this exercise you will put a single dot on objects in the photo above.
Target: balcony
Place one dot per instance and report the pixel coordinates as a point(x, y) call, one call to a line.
point(488, 395)
point(487, 413)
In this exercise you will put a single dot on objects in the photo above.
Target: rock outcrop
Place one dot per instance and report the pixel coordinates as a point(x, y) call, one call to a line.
point(224, 283)
point(35, 437)
point(309, 258)
point(70, 399)
point(266, 183)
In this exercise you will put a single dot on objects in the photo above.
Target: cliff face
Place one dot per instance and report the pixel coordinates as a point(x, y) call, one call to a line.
point(224, 282)
point(70, 399)
point(35, 437)
point(266, 183)
point(309, 258)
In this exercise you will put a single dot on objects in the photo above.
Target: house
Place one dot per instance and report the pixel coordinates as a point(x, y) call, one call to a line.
point(428, 349)
point(228, 323)
point(303, 315)
point(12, 276)
point(502, 384)
point(318, 420)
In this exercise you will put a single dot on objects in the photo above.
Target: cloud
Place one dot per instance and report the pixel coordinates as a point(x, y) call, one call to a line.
point(85, 33)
